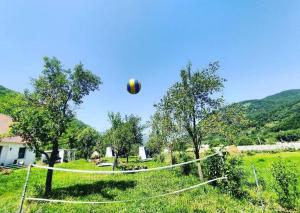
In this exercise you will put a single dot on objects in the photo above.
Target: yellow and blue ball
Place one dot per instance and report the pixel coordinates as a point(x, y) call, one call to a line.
point(133, 86)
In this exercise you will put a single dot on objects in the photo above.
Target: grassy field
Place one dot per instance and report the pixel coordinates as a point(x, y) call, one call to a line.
point(87, 187)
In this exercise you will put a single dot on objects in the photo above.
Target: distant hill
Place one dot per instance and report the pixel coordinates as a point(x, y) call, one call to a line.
point(279, 112)
point(274, 118)
point(5, 91)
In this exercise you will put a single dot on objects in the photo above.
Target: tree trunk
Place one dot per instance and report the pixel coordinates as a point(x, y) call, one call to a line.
point(48, 187)
point(171, 156)
point(197, 155)
point(115, 162)
point(127, 159)
point(52, 159)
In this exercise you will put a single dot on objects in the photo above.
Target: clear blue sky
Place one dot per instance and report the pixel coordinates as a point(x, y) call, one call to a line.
point(257, 43)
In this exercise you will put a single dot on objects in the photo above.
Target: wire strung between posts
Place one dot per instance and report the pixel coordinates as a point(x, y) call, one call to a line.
point(125, 201)
point(127, 171)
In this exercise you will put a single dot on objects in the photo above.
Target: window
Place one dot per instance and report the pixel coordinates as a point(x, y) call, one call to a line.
point(0, 150)
point(22, 152)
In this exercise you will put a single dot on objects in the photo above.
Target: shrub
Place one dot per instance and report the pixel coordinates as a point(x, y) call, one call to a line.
point(160, 158)
point(285, 186)
point(244, 140)
point(289, 135)
point(187, 168)
point(214, 167)
point(234, 171)
point(131, 166)
point(174, 159)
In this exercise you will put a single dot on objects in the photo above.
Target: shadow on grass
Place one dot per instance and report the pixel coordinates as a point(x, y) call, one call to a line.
point(101, 188)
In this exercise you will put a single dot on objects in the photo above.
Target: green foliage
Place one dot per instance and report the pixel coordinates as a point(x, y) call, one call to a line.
point(49, 107)
point(235, 173)
point(70, 138)
point(48, 110)
point(245, 140)
point(160, 158)
point(87, 140)
point(189, 101)
point(123, 135)
point(225, 124)
point(131, 166)
point(187, 168)
point(214, 167)
point(289, 135)
point(276, 117)
point(286, 183)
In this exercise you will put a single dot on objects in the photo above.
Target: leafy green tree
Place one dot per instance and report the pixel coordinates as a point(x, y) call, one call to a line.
point(164, 132)
point(123, 134)
point(136, 130)
point(192, 99)
point(227, 123)
point(87, 140)
point(70, 138)
point(11, 103)
point(50, 107)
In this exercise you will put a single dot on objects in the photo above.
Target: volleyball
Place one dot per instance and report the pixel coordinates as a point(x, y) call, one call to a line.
point(133, 86)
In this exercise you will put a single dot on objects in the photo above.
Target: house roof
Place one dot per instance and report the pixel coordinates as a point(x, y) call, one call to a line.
point(5, 122)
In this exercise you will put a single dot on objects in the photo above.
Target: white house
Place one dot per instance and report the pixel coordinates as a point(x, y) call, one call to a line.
point(13, 150)
point(64, 155)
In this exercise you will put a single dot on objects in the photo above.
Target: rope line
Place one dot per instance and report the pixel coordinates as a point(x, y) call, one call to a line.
point(124, 201)
point(127, 171)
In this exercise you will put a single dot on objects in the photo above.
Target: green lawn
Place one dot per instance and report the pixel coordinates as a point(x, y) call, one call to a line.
point(87, 187)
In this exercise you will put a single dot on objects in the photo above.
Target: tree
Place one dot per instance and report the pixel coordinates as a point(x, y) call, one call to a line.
point(164, 131)
point(136, 130)
point(123, 134)
point(226, 123)
point(70, 138)
point(192, 99)
point(50, 108)
point(87, 139)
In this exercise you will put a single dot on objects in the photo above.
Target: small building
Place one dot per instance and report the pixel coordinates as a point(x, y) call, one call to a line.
point(64, 155)
point(109, 152)
point(13, 150)
point(142, 153)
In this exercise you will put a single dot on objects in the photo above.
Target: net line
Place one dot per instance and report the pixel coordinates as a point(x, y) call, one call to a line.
point(127, 171)
point(125, 201)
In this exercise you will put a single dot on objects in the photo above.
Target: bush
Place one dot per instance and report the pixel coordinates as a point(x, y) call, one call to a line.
point(187, 168)
point(160, 158)
point(244, 140)
point(214, 167)
point(234, 171)
point(289, 135)
point(174, 160)
point(131, 166)
point(285, 177)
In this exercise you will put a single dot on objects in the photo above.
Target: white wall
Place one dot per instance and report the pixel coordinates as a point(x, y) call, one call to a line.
point(10, 153)
point(270, 147)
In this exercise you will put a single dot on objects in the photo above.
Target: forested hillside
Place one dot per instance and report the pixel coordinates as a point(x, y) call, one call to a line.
point(275, 118)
